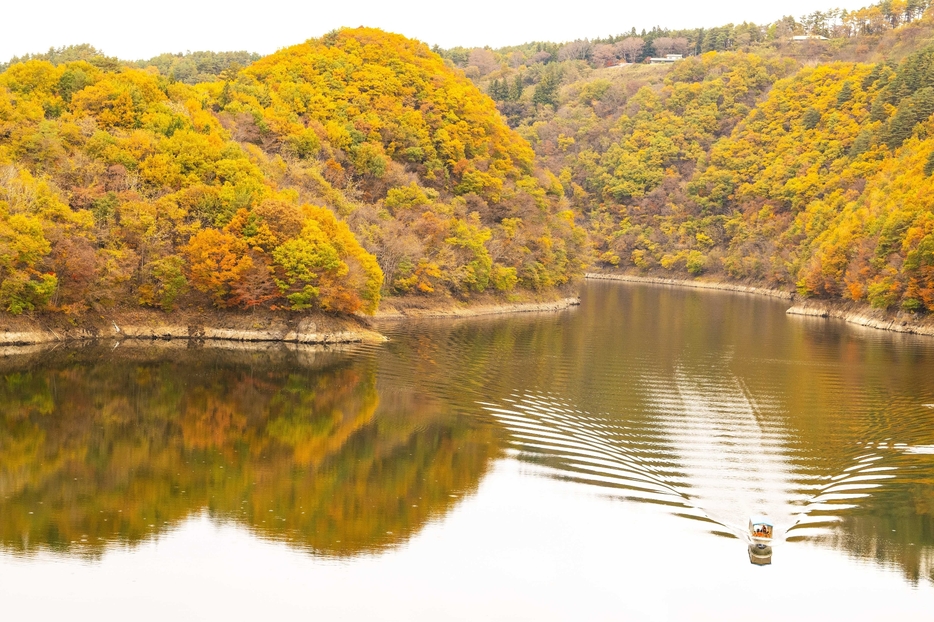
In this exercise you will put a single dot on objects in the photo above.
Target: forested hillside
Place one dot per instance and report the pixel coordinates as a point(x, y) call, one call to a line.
point(363, 164)
point(322, 177)
point(764, 159)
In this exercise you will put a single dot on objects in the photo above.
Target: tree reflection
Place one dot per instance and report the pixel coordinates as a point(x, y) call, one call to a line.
point(98, 448)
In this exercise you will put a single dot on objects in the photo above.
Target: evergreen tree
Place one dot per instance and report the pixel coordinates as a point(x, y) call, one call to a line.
point(912, 111)
point(929, 165)
point(845, 94)
point(515, 89)
point(496, 90)
point(546, 92)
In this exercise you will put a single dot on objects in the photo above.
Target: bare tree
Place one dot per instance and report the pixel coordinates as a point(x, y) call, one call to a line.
point(670, 45)
point(786, 27)
point(605, 55)
point(680, 45)
point(516, 59)
point(540, 57)
point(482, 59)
point(576, 50)
point(630, 48)
point(662, 45)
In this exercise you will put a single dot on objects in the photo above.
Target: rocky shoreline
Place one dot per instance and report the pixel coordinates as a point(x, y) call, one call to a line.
point(229, 327)
point(863, 315)
point(214, 327)
point(857, 313)
point(320, 329)
point(697, 284)
point(475, 310)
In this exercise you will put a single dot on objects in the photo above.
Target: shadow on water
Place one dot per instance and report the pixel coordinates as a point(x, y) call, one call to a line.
point(102, 447)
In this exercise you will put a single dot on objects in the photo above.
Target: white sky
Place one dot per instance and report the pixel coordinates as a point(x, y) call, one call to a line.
point(134, 30)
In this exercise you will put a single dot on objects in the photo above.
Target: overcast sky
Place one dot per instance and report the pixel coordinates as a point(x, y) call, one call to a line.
point(135, 30)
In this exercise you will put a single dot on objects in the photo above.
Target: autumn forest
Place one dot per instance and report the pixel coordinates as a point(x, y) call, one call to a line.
point(363, 165)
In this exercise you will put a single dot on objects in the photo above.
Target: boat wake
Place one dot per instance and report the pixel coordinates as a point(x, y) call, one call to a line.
point(840, 493)
point(593, 450)
point(708, 450)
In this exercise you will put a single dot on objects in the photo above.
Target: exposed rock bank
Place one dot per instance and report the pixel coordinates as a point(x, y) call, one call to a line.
point(453, 311)
point(864, 315)
point(857, 313)
point(243, 327)
point(211, 326)
point(696, 283)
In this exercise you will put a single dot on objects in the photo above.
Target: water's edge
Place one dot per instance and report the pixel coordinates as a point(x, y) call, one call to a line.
point(862, 314)
point(475, 311)
point(720, 285)
point(316, 329)
point(275, 328)
point(857, 313)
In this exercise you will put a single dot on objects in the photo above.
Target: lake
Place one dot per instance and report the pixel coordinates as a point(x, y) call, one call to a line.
point(596, 463)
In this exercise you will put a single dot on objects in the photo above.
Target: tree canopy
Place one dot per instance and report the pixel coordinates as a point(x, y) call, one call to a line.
point(363, 164)
point(297, 182)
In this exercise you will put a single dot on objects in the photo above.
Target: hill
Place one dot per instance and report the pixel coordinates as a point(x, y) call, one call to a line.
point(803, 164)
point(320, 177)
point(363, 164)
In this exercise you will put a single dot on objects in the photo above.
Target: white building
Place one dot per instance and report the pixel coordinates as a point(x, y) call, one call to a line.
point(667, 58)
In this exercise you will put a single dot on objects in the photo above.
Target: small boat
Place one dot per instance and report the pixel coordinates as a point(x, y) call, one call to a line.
point(760, 531)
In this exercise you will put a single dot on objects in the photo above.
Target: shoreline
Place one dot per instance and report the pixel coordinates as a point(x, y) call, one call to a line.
point(695, 284)
point(46, 337)
point(219, 327)
point(394, 314)
point(851, 312)
point(861, 314)
point(150, 326)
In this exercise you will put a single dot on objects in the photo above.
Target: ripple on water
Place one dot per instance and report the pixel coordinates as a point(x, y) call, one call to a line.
point(589, 449)
point(715, 454)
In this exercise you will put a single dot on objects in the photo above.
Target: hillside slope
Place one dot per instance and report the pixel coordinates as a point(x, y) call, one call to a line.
point(749, 165)
point(320, 177)
point(823, 186)
point(413, 156)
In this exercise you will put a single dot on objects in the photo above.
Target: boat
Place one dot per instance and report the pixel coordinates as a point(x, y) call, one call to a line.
point(760, 531)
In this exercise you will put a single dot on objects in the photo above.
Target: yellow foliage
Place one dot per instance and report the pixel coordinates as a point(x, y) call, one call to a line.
point(142, 185)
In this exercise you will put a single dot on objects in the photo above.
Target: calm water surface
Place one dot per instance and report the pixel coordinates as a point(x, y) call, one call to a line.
point(598, 463)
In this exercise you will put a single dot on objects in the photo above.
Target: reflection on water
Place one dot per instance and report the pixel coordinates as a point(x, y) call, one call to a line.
point(707, 406)
point(720, 407)
point(101, 447)
point(759, 555)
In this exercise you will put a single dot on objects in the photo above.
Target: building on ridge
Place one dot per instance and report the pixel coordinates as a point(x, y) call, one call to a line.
point(667, 58)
